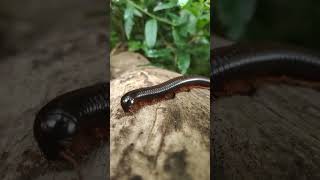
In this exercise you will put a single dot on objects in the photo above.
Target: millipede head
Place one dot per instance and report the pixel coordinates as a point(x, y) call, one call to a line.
point(52, 131)
point(127, 103)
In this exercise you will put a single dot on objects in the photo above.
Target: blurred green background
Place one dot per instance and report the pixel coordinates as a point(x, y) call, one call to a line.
point(289, 21)
point(172, 34)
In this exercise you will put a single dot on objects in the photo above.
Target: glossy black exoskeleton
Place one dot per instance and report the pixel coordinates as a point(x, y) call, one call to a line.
point(62, 118)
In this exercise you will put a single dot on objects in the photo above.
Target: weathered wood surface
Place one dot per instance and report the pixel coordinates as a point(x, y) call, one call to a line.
point(274, 134)
point(126, 61)
point(61, 60)
point(168, 140)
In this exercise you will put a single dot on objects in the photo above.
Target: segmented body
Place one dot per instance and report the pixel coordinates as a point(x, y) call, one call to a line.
point(136, 99)
point(249, 61)
point(62, 118)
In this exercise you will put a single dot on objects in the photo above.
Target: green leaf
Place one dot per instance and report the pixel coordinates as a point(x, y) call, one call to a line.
point(161, 6)
point(182, 3)
point(174, 17)
point(182, 47)
point(176, 37)
point(137, 13)
point(203, 21)
point(150, 32)
point(128, 20)
point(183, 62)
point(201, 51)
point(134, 45)
point(154, 53)
point(114, 39)
point(183, 18)
point(194, 9)
point(192, 25)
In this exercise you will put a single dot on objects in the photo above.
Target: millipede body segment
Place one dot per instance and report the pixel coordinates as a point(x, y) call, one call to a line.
point(249, 61)
point(136, 99)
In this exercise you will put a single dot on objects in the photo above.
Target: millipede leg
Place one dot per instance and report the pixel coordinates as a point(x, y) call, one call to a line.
point(67, 155)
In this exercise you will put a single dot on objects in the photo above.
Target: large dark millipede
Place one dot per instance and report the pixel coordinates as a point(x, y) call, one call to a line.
point(78, 114)
point(252, 61)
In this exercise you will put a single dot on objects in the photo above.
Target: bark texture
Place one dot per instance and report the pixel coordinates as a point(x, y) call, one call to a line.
point(271, 135)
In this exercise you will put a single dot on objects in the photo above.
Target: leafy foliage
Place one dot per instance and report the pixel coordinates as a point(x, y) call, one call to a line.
point(174, 34)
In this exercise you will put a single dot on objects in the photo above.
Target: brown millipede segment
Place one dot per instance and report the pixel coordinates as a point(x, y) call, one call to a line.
point(138, 98)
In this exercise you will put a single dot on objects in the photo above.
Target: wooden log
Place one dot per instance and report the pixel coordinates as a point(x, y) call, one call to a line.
point(271, 135)
point(126, 61)
point(167, 140)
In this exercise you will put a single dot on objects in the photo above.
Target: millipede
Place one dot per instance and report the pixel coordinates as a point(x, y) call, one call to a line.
point(134, 100)
point(236, 67)
point(68, 126)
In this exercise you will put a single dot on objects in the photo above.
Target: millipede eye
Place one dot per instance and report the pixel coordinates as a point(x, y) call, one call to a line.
point(53, 119)
point(51, 123)
point(128, 100)
point(71, 127)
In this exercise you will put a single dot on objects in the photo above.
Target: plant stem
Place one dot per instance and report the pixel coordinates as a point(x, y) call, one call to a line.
point(151, 15)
